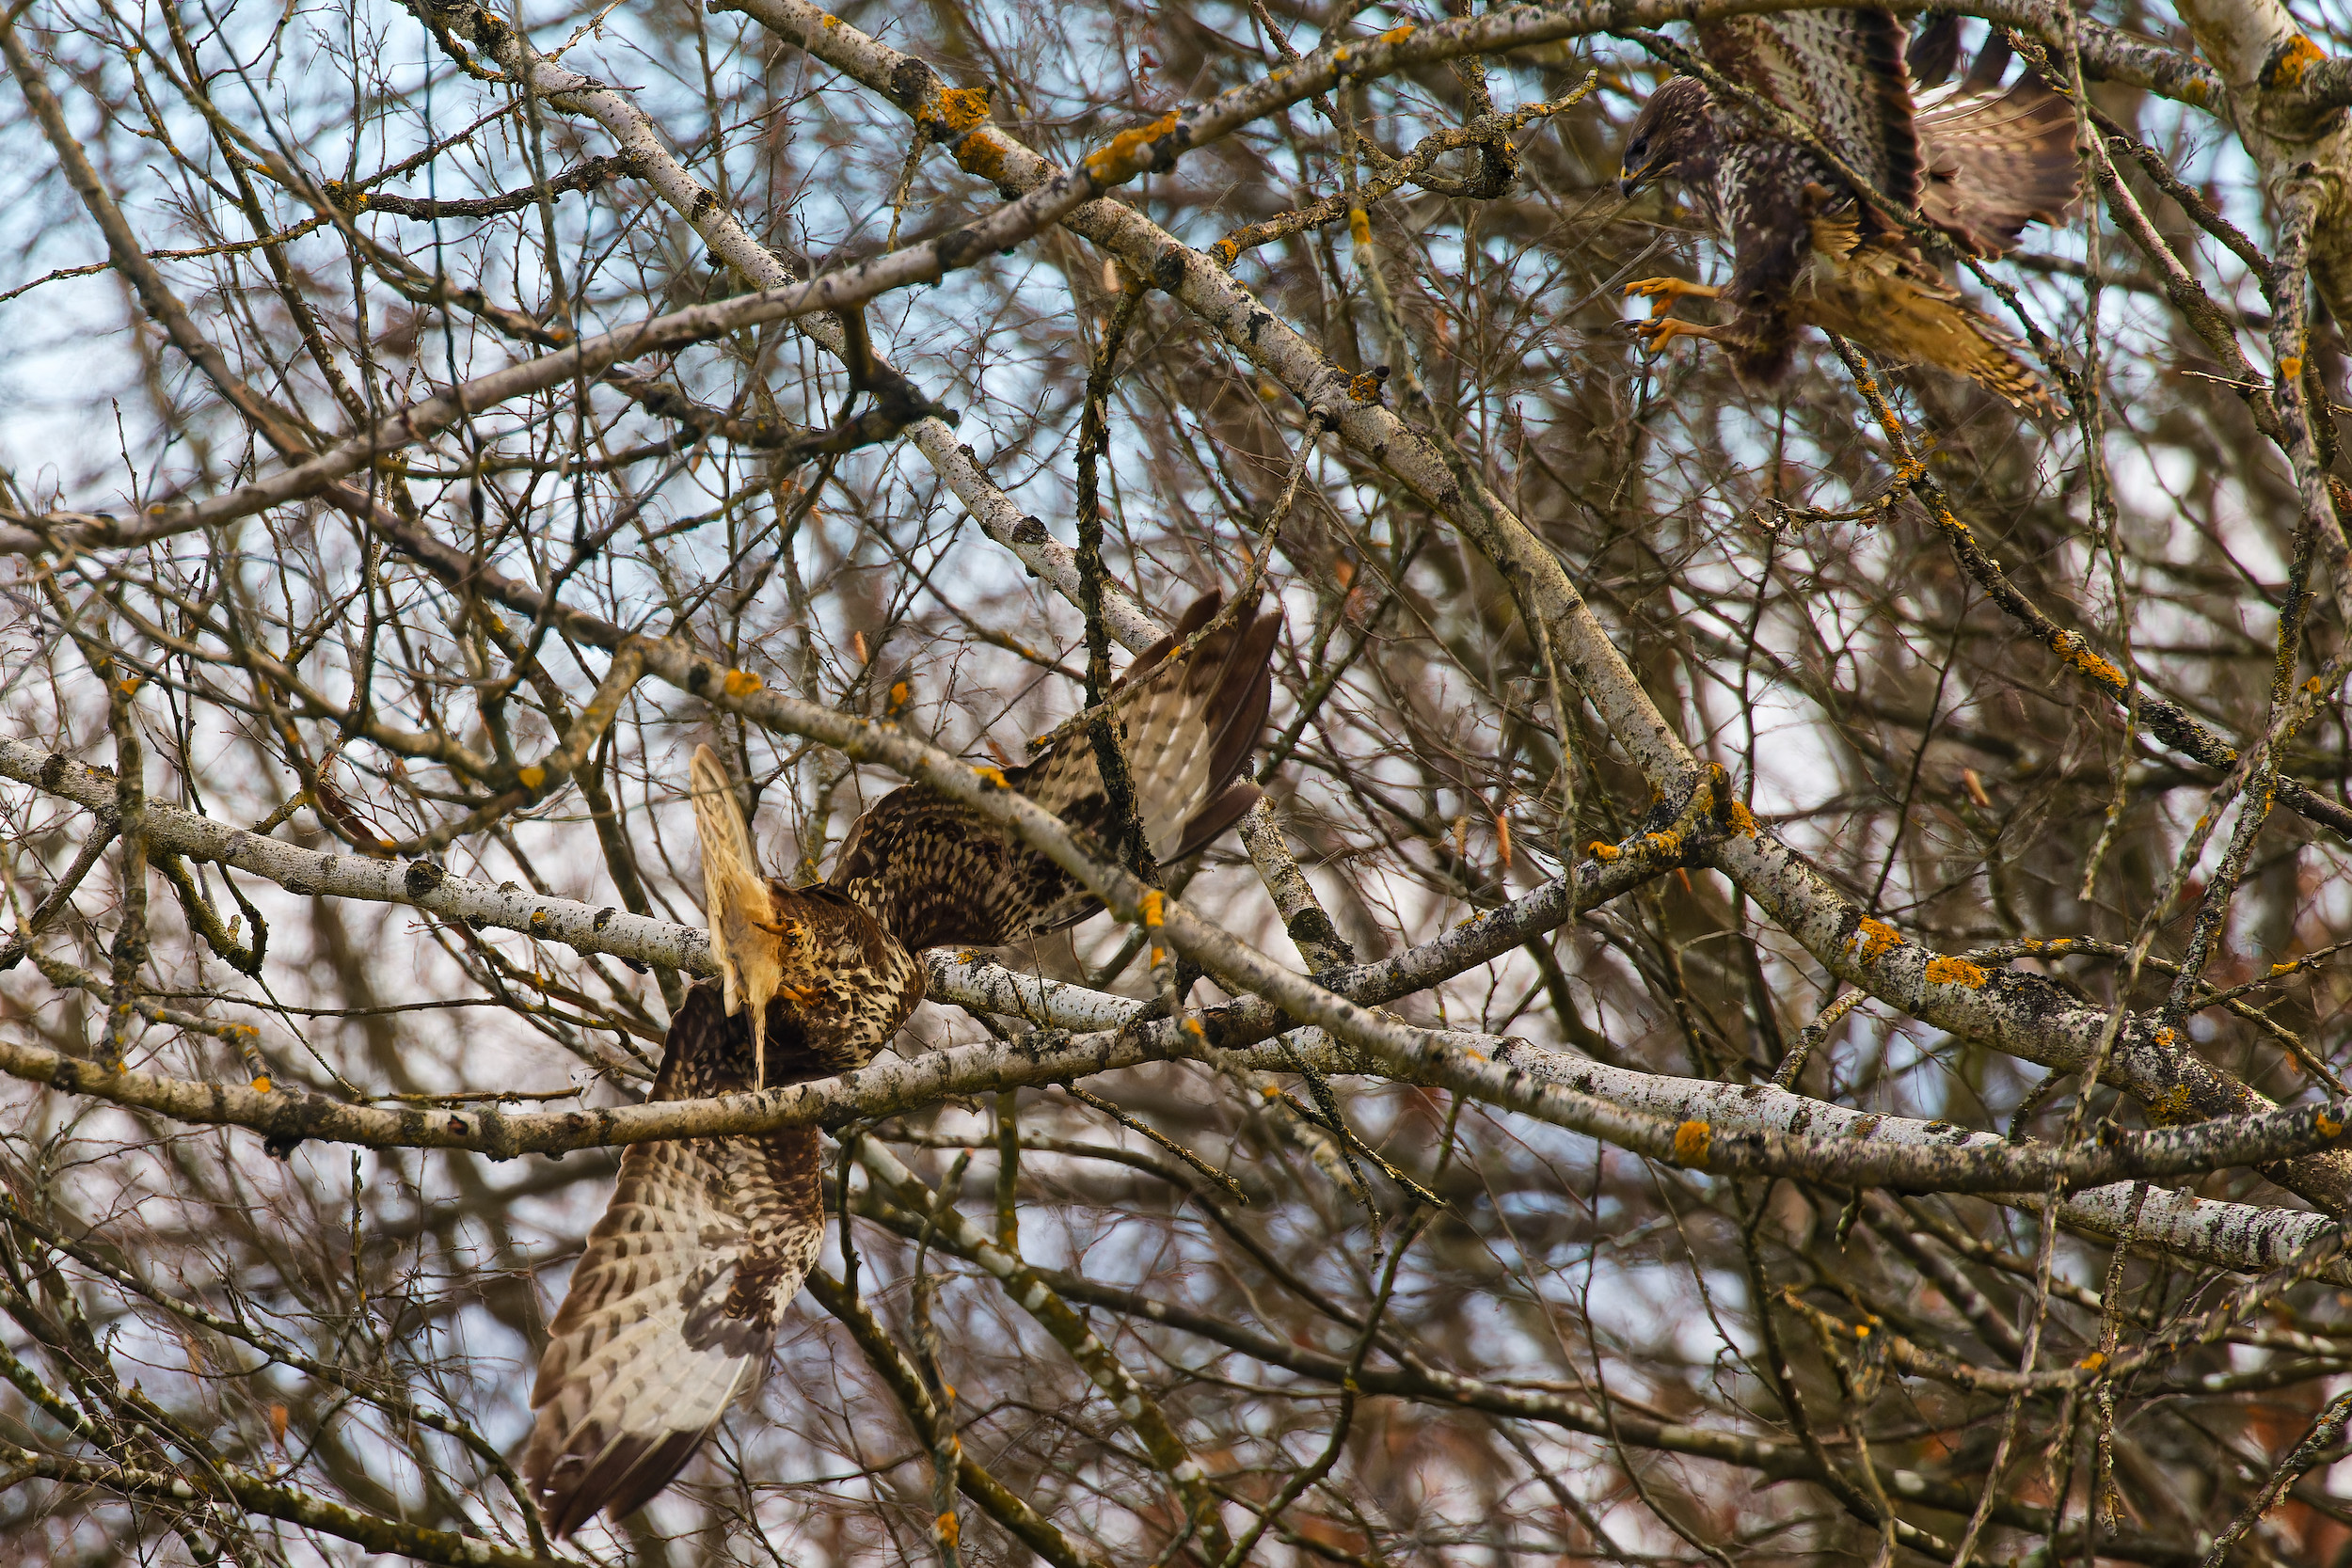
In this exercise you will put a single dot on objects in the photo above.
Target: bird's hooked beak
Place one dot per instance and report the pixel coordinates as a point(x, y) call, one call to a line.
point(1632, 181)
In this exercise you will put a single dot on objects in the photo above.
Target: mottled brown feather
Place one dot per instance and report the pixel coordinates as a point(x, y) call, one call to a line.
point(672, 1307)
point(939, 874)
point(1809, 247)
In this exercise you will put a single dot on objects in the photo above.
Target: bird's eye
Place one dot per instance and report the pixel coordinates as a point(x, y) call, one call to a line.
point(1640, 146)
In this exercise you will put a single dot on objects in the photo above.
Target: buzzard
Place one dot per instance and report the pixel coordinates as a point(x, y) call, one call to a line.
point(1974, 161)
point(674, 1303)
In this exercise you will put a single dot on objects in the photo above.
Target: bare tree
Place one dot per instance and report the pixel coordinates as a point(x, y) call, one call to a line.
point(1781, 1006)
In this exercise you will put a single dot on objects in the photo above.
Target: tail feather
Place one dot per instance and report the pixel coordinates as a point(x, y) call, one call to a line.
point(736, 902)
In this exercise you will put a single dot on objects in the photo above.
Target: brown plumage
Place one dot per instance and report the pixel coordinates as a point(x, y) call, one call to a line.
point(673, 1305)
point(1810, 248)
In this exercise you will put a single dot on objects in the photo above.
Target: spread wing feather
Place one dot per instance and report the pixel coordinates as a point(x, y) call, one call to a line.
point(1995, 162)
point(942, 875)
point(672, 1307)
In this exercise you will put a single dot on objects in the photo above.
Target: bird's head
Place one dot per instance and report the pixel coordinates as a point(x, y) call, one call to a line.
point(1673, 137)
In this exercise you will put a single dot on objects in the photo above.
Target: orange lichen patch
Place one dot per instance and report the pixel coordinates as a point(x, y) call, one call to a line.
point(532, 778)
point(1123, 157)
point(1874, 939)
point(992, 776)
point(2291, 367)
point(2078, 653)
point(1358, 226)
point(961, 108)
point(2093, 1362)
point(1224, 253)
point(982, 152)
point(1152, 905)
point(741, 683)
point(1947, 971)
point(1397, 35)
point(261, 1085)
point(1667, 842)
point(831, 21)
point(2297, 57)
point(2167, 1040)
point(1365, 388)
point(2170, 1106)
point(1692, 1141)
point(1603, 852)
point(1742, 819)
point(2329, 1126)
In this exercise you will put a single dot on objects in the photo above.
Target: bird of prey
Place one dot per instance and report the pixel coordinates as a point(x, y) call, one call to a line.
point(1810, 247)
point(674, 1305)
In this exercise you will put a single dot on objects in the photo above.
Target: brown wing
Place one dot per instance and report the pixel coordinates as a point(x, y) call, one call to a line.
point(673, 1305)
point(938, 874)
point(1839, 71)
point(1996, 160)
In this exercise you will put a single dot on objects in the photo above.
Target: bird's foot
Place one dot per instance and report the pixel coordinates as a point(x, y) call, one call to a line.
point(1663, 292)
point(1657, 332)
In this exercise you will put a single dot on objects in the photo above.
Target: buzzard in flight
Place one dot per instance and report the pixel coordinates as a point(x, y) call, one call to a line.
point(1975, 162)
point(673, 1305)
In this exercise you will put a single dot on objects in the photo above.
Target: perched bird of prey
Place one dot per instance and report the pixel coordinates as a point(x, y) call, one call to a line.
point(1809, 247)
point(674, 1303)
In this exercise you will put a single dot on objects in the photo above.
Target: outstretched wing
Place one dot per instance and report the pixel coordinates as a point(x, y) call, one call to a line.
point(939, 874)
point(1839, 71)
point(673, 1305)
point(1994, 160)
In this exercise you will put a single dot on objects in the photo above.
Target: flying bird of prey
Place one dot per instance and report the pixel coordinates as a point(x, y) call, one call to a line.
point(673, 1305)
point(1809, 247)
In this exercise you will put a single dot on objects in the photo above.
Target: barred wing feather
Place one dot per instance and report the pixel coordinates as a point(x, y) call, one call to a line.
point(940, 874)
point(672, 1307)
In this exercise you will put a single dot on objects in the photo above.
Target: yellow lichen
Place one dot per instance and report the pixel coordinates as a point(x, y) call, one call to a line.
point(1742, 821)
point(532, 777)
point(992, 776)
point(1397, 35)
point(1224, 253)
point(741, 683)
point(1874, 939)
point(2093, 1362)
point(2329, 1126)
point(2291, 367)
point(2078, 653)
point(2170, 1106)
point(1152, 905)
point(961, 108)
point(982, 152)
point(1692, 1141)
point(1358, 226)
point(1603, 852)
point(2299, 55)
point(261, 1085)
point(1946, 971)
point(1123, 154)
point(1666, 843)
